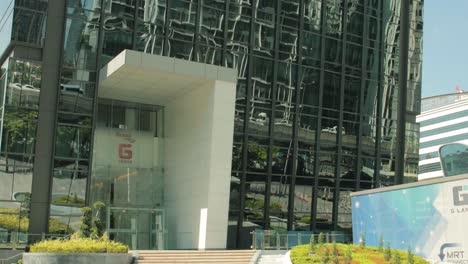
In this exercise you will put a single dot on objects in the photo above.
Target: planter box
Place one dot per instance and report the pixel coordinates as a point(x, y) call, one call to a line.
point(76, 258)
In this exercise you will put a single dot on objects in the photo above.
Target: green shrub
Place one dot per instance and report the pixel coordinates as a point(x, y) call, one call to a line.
point(410, 256)
point(348, 254)
point(325, 256)
point(86, 221)
point(388, 252)
point(362, 240)
point(10, 220)
point(98, 222)
point(321, 238)
point(334, 258)
point(68, 200)
point(381, 242)
point(79, 245)
point(396, 258)
point(312, 245)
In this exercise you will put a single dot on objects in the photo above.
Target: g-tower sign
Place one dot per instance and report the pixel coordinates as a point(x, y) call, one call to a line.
point(430, 217)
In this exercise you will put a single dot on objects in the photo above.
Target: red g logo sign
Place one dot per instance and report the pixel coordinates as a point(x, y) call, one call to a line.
point(125, 151)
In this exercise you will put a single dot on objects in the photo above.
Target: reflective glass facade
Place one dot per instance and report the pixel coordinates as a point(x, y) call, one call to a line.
point(20, 88)
point(317, 97)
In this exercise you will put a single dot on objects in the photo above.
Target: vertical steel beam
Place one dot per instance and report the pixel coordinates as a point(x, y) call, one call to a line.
point(323, 32)
point(364, 53)
point(339, 156)
point(402, 91)
point(297, 113)
point(271, 127)
point(380, 99)
point(45, 137)
point(246, 122)
point(95, 102)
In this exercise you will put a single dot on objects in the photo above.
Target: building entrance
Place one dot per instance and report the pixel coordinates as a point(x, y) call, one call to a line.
point(128, 174)
point(139, 228)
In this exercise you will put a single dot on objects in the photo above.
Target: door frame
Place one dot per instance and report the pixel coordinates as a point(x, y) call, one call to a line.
point(159, 235)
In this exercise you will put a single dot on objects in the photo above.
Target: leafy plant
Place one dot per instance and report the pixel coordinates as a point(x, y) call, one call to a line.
point(86, 221)
point(10, 220)
point(334, 258)
point(396, 258)
point(387, 252)
point(381, 243)
point(321, 238)
point(362, 240)
point(68, 200)
point(79, 245)
point(98, 222)
point(325, 256)
point(312, 245)
point(410, 256)
point(348, 255)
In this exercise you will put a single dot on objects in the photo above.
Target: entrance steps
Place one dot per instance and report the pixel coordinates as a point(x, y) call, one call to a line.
point(194, 256)
point(272, 257)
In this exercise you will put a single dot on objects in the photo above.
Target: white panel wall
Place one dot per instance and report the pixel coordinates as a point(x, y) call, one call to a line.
point(199, 131)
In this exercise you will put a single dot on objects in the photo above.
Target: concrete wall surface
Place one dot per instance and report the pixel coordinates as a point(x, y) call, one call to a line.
point(199, 133)
point(76, 258)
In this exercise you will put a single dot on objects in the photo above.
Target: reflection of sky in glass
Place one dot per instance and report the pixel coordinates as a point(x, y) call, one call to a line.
point(403, 217)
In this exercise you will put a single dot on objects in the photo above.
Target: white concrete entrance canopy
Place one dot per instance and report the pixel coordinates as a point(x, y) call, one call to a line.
point(144, 78)
point(199, 103)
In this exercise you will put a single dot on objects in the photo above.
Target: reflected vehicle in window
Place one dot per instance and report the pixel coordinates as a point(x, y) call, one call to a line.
point(71, 88)
point(30, 87)
point(261, 119)
point(21, 196)
point(15, 85)
point(23, 94)
point(25, 87)
point(454, 159)
point(334, 130)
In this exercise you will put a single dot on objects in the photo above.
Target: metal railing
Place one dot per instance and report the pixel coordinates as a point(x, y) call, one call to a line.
point(284, 240)
point(19, 240)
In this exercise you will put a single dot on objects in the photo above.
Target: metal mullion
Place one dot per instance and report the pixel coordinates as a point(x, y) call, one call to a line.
point(73, 125)
point(378, 136)
point(339, 155)
point(225, 32)
point(361, 98)
point(166, 28)
point(402, 92)
point(95, 102)
point(297, 98)
point(196, 44)
point(46, 131)
point(135, 24)
point(246, 123)
point(271, 127)
point(72, 114)
point(319, 117)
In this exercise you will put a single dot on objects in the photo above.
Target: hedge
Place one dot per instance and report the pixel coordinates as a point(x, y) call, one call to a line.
point(9, 220)
point(360, 255)
point(79, 245)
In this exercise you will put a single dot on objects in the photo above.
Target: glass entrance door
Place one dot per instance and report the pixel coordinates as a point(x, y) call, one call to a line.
point(139, 228)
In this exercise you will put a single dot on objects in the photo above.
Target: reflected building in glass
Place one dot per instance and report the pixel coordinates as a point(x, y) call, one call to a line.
point(319, 110)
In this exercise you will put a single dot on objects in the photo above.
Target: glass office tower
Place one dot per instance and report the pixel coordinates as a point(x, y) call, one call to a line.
point(322, 105)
